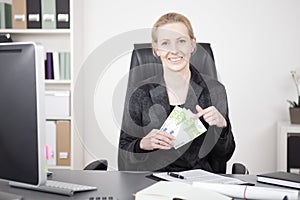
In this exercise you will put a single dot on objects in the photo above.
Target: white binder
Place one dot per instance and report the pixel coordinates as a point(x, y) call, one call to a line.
point(51, 141)
point(57, 103)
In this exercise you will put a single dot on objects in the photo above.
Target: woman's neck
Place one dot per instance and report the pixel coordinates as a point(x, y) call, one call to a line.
point(177, 80)
point(177, 84)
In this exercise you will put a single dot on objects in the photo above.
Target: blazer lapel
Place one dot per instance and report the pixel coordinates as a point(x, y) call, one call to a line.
point(194, 92)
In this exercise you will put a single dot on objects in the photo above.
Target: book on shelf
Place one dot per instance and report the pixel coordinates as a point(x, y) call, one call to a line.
point(280, 178)
point(67, 66)
point(34, 14)
point(56, 71)
point(49, 74)
point(63, 14)
point(57, 66)
point(48, 14)
point(5, 15)
point(64, 65)
point(19, 14)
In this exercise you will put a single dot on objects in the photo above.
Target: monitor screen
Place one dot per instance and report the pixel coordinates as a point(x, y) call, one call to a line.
point(22, 119)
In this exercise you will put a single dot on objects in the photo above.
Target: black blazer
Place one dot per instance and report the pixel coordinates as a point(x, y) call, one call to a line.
point(147, 107)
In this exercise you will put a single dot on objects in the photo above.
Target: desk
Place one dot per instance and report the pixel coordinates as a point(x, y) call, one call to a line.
point(110, 183)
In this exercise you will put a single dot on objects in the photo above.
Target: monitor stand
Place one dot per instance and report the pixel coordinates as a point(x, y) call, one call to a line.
point(9, 196)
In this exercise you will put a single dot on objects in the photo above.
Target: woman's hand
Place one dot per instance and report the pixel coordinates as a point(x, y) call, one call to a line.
point(212, 116)
point(157, 139)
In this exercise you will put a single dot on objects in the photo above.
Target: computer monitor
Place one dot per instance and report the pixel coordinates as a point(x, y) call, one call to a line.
point(22, 115)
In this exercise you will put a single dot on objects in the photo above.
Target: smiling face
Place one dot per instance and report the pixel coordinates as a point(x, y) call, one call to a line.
point(174, 46)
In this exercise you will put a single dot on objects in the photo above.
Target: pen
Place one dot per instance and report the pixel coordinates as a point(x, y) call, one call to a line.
point(175, 175)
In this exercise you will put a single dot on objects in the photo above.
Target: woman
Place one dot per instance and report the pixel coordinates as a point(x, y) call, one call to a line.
point(142, 145)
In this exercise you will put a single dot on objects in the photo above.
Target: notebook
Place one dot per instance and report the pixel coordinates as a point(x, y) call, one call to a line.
point(280, 178)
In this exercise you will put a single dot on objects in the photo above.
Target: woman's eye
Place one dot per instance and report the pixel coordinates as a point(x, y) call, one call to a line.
point(182, 41)
point(164, 43)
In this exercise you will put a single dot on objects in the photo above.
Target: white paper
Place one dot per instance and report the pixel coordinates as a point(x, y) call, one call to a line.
point(249, 192)
point(199, 175)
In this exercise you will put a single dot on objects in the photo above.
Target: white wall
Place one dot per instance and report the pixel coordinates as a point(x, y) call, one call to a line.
point(256, 43)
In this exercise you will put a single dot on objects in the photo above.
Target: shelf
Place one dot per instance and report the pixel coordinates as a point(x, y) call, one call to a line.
point(58, 85)
point(36, 31)
point(54, 118)
point(57, 82)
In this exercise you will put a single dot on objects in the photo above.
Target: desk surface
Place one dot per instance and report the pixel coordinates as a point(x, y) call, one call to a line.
point(120, 185)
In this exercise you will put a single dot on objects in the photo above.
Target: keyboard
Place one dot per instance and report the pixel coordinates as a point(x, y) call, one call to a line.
point(64, 188)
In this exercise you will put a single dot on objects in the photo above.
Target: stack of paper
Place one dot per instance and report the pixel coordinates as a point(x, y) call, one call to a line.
point(198, 175)
point(182, 124)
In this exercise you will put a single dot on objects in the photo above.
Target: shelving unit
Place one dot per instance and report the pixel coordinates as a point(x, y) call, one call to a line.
point(51, 40)
point(61, 84)
point(284, 130)
point(61, 40)
point(36, 31)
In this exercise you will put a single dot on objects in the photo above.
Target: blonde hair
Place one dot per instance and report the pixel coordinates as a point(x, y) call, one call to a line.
point(171, 18)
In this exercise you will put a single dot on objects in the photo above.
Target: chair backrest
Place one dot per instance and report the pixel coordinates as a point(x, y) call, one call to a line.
point(97, 165)
point(239, 168)
point(142, 55)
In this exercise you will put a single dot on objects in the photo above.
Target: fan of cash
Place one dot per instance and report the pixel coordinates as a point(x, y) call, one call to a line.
point(182, 124)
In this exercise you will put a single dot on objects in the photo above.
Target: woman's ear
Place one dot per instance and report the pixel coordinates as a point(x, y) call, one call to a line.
point(155, 50)
point(193, 44)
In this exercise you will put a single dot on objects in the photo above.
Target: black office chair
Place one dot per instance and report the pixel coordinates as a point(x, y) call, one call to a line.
point(239, 168)
point(97, 165)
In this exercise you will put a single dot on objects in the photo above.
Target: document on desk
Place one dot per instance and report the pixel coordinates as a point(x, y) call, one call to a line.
point(182, 124)
point(198, 175)
point(250, 192)
point(165, 190)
